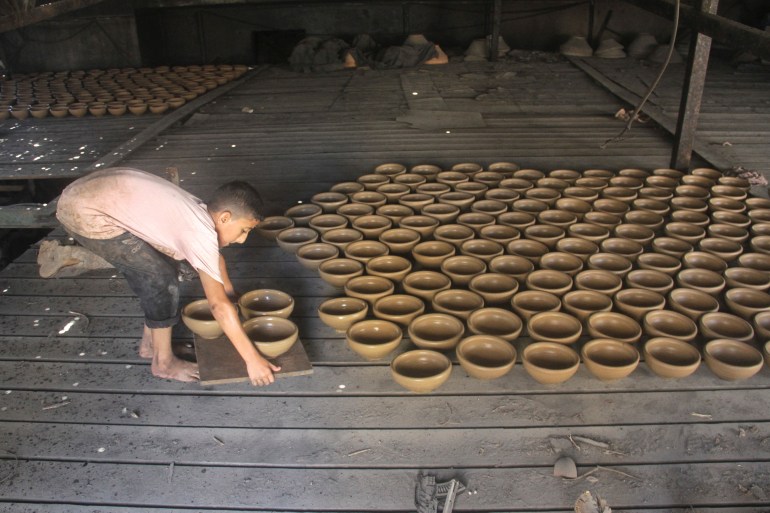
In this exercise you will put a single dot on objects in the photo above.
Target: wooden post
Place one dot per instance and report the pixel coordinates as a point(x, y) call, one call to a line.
point(497, 14)
point(692, 92)
point(591, 21)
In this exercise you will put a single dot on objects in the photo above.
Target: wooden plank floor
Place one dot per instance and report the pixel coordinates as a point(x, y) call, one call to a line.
point(86, 428)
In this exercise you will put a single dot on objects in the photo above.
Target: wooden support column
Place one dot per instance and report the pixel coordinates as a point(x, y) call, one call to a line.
point(497, 14)
point(692, 92)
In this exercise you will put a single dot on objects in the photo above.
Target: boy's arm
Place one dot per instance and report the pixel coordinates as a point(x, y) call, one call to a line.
point(260, 370)
point(229, 289)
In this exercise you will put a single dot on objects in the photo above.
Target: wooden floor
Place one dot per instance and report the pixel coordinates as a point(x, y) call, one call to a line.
point(85, 427)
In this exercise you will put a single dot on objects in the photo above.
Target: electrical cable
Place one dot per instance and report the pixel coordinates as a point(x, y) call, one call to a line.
point(654, 84)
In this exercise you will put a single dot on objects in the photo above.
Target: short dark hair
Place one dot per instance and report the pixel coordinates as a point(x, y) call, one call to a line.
point(238, 198)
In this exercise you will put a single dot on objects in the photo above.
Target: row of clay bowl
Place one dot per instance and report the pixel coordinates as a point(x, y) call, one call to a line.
point(617, 256)
point(114, 91)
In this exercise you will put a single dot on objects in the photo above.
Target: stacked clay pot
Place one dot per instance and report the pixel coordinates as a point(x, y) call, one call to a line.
point(596, 266)
point(113, 91)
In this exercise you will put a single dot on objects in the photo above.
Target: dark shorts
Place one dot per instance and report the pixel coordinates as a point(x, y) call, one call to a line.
point(153, 276)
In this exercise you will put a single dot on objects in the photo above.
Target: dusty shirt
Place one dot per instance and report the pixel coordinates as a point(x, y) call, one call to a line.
point(107, 203)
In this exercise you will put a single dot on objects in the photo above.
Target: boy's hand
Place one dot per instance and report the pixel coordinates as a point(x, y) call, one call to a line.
point(261, 372)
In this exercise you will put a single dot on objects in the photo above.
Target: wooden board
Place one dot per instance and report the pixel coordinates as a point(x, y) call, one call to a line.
point(219, 363)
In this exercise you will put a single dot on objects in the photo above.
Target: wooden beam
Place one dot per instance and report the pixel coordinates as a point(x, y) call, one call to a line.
point(497, 14)
point(44, 12)
point(692, 93)
point(722, 30)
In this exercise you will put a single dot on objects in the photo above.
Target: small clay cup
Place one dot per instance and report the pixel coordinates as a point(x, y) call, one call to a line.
point(701, 279)
point(273, 336)
point(311, 256)
point(507, 196)
point(372, 181)
point(624, 247)
point(676, 248)
point(550, 363)
point(433, 188)
point(475, 220)
point(761, 326)
point(369, 288)
point(341, 312)
point(733, 218)
point(745, 302)
point(461, 200)
point(442, 212)
point(614, 206)
point(458, 302)
point(546, 195)
point(424, 225)
point(671, 358)
point(636, 303)
point(603, 219)
point(588, 231)
point(580, 193)
point(342, 237)
point(600, 281)
point(758, 261)
point(725, 325)
point(436, 331)
point(485, 356)
point(372, 226)
point(655, 281)
point(431, 254)
point(425, 284)
point(558, 327)
point(615, 326)
point(353, 211)
point(337, 271)
point(303, 213)
point(575, 206)
point(609, 360)
point(530, 302)
point(416, 201)
point(499, 233)
point(635, 232)
point(326, 222)
point(499, 322)
point(373, 338)
point(291, 239)
point(365, 250)
point(198, 318)
point(665, 264)
point(692, 303)
point(563, 262)
point(532, 250)
point(347, 188)
point(616, 264)
point(462, 268)
point(518, 220)
point(421, 370)
point(475, 189)
point(761, 244)
point(729, 232)
point(329, 201)
point(494, 288)
point(515, 266)
point(727, 205)
point(554, 282)
point(400, 241)
point(411, 180)
point(548, 235)
point(392, 267)
point(482, 249)
point(732, 360)
point(665, 323)
point(487, 206)
point(452, 178)
point(454, 234)
point(266, 302)
point(577, 246)
point(559, 218)
point(399, 308)
point(271, 226)
point(390, 169)
point(372, 198)
point(727, 250)
point(703, 260)
point(747, 277)
point(529, 206)
point(689, 216)
point(583, 303)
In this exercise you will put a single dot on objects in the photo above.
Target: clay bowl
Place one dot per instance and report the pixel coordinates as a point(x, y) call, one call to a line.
point(529, 206)
point(302, 214)
point(433, 188)
point(454, 234)
point(588, 231)
point(636, 303)
point(353, 211)
point(583, 303)
point(759, 230)
point(518, 220)
point(429, 171)
point(369, 288)
point(532, 250)
point(482, 249)
point(688, 203)
point(338, 271)
point(411, 180)
point(504, 168)
point(761, 244)
point(436, 331)
point(486, 356)
point(556, 327)
point(475, 189)
point(458, 302)
point(425, 284)
point(347, 188)
point(725, 325)
point(707, 172)
point(515, 266)
point(689, 216)
point(461, 200)
point(517, 184)
point(664, 323)
point(61, 110)
point(746, 302)
point(372, 198)
point(550, 363)
point(390, 169)
point(701, 279)
point(676, 248)
point(487, 206)
point(673, 176)
point(665, 264)
point(266, 302)
point(655, 281)
point(623, 247)
point(732, 360)
point(198, 318)
point(729, 232)
point(727, 205)
point(703, 260)
point(392, 267)
point(692, 191)
point(506, 196)
point(341, 312)
point(532, 175)
point(600, 281)
point(616, 264)
point(424, 225)
point(562, 262)
point(416, 201)
point(701, 182)
point(342, 237)
point(79, 110)
point(499, 233)
point(444, 213)
point(40, 111)
point(554, 282)
point(400, 240)
point(372, 226)
point(475, 220)
point(757, 202)
point(622, 194)
point(670, 357)
point(732, 218)
point(326, 222)
point(612, 206)
point(273, 336)
point(431, 254)
point(574, 206)
point(603, 219)
point(546, 195)
point(365, 250)
point(758, 261)
point(452, 178)
point(609, 360)
point(551, 182)
point(530, 302)
point(291, 239)
point(558, 218)
point(546, 234)
point(648, 212)
point(421, 370)
point(615, 326)
point(747, 277)
point(271, 226)
point(727, 250)
point(329, 201)
point(373, 338)
point(498, 322)
point(488, 178)
point(728, 191)
point(692, 303)
point(462, 268)
point(311, 256)
point(568, 175)
point(494, 288)
point(580, 193)
point(628, 182)
point(635, 232)
point(762, 328)
point(399, 308)
point(372, 181)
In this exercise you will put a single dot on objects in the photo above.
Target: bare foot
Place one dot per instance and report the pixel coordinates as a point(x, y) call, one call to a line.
point(440, 58)
point(350, 62)
point(176, 369)
point(145, 345)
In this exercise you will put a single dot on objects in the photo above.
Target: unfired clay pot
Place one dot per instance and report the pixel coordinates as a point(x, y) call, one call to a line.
point(583, 303)
point(302, 214)
point(499, 322)
point(671, 358)
point(556, 327)
point(528, 303)
point(615, 326)
point(486, 356)
point(436, 331)
point(341, 312)
point(732, 360)
point(609, 360)
point(338, 271)
point(665, 323)
point(458, 302)
point(373, 338)
point(636, 303)
point(399, 308)
point(549, 362)
point(425, 284)
point(725, 325)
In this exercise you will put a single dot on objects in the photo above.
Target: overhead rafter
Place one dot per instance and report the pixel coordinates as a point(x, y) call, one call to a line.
point(20, 13)
point(722, 30)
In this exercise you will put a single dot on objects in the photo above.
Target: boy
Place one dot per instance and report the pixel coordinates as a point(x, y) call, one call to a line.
point(144, 225)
